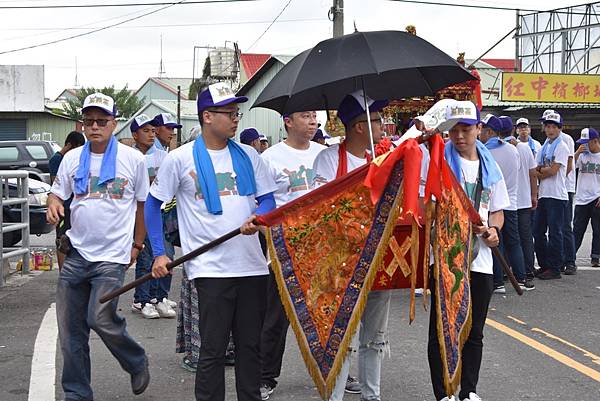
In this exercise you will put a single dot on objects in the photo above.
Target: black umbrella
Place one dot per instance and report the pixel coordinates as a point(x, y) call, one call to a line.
point(388, 64)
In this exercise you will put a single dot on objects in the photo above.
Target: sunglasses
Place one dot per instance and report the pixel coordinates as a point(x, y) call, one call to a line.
point(89, 122)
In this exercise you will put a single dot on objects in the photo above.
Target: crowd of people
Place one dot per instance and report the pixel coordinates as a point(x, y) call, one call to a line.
point(160, 196)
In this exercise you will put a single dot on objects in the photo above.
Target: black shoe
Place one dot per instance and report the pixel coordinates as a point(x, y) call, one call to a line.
point(230, 358)
point(562, 269)
point(570, 270)
point(352, 385)
point(530, 276)
point(527, 285)
point(539, 271)
point(549, 275)
point(140, 381)
point(595, 262)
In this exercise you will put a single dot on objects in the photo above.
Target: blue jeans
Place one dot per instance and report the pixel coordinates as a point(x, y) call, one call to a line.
point(158, 288)
point(583, 214)
point(525, 217)
point(568, 237)
point(549, 216)
point(372, 338)
point(510, 246)
point(80, 285)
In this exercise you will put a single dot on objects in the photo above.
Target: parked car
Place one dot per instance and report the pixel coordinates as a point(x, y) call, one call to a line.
point(32, 156)
point(38, 197)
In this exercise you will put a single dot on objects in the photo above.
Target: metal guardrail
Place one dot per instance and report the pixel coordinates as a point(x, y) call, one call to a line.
point(5, 227)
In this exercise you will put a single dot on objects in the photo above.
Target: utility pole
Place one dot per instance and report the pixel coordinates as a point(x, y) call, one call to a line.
point(161, 66)
point(517, 45)
point(336, 15)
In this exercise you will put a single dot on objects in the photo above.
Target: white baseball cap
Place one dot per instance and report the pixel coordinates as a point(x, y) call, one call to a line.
point(101, 101)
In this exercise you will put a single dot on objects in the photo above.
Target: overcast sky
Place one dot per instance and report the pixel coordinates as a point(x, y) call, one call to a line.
point(130, 53)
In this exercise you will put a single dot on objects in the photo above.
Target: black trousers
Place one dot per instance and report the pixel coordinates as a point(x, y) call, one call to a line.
point(482, 286)
point(224, 305)
point(274, 332)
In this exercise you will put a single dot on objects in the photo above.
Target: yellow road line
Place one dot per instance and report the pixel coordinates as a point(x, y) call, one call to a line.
point(595, 358)
point(562, 358)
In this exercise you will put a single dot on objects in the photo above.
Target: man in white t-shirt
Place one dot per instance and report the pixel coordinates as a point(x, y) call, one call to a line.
point(568, 267)
point(527, 198)
point(143, 131)
point(334, 162)
point(251, 137)
point(524, 135)
point(482, 180)
point(508, 159)
point(587, 197)
point(291, 165)
point(552, 163)
point(110, 183)
point(218, 183)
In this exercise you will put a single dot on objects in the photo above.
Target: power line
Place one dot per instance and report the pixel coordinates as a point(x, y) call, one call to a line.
point(270, 25)
point(484, 7)
point(57, 29)
point(92, 31)
point(117, 4)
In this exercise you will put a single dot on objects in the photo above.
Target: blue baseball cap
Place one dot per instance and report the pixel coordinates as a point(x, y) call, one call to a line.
point(463, 112)
point(318, 135)
point(217, 95)
point(552, 118)
point(587, 134)
point(166, 120)
point(101, 101)
point(141, 120)
point(492, 122)
point(507, 124)
point(248, 135)
point(353, 105)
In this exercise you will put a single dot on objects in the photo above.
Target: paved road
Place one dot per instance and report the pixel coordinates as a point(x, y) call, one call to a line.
point(542, 346)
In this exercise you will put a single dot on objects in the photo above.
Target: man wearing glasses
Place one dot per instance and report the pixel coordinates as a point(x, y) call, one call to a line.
point(110, 184)
point(218, 183)
point(334, 162)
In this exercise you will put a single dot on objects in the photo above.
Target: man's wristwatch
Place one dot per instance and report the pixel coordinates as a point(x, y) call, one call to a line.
point(138, 246)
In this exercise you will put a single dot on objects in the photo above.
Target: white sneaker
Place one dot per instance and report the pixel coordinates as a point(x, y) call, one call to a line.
point(172, 304)
point(149, 311)
point(448, 399)
point(136, 307)
point(473, 397)
point(165, 310)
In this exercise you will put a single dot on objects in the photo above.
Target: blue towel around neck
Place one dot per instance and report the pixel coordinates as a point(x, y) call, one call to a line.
point(546, 153)
point(489, 169)
point(242, 166)
point(107, 168)
point(158, 145)
point(531, 145)
point(494, 143)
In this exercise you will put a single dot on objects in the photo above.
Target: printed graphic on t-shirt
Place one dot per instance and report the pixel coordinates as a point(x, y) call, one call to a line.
point(226, 184)
point(114, 189)
point(589, 167)
point(152, 171)
point(300, 180)
point(470, 188)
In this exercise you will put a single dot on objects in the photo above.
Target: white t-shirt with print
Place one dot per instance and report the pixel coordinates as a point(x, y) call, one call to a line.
point(523, 180)
point(240, 256)
point(292, 169)
point(588, 184)
point(556, 186)
point(570, 181)
point(326, 164)
point(153, 161)
point(103, 220)
point(492, 200)
point(507, 158)
point(536, 144)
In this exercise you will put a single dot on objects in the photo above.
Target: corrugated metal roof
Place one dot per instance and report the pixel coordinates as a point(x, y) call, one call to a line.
point(505, 64)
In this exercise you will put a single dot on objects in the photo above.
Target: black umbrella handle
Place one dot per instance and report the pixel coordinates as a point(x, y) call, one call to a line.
point(197, 252)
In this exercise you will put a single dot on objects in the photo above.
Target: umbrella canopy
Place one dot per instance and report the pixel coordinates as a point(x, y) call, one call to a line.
point(392, 64)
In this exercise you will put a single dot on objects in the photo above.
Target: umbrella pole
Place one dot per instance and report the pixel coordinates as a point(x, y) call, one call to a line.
point(368, 117)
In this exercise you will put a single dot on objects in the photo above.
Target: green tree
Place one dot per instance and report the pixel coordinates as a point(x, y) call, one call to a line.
point(200, 84)
point(127, 103)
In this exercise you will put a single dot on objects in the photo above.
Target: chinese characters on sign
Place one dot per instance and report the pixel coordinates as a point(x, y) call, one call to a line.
point(555, 88)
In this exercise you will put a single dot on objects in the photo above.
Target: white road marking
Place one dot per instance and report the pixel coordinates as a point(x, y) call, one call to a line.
point(43, 368)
